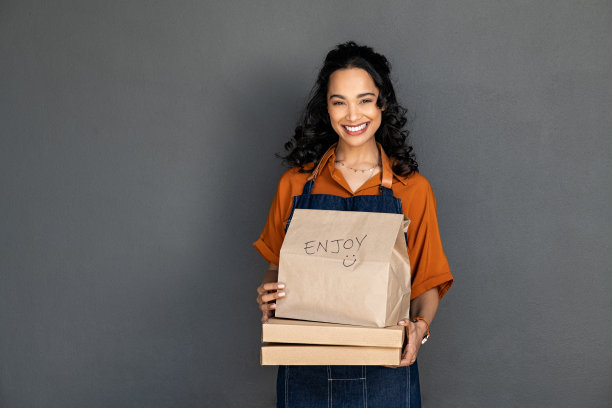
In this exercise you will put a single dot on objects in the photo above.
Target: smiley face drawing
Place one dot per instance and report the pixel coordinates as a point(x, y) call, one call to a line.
point(349, 261)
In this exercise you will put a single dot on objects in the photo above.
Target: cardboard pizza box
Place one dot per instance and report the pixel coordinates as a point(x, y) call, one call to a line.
point(305, 354)
point(316, 333)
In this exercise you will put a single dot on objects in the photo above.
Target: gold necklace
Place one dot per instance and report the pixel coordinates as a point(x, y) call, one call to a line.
point(371, 169)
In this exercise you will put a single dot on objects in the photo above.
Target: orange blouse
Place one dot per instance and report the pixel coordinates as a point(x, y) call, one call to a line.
point(428, 263)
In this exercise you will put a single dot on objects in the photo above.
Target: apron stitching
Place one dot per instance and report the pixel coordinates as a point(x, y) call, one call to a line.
point(287, 387)
point(365, 389)
point(409, 391)
point(329, 387)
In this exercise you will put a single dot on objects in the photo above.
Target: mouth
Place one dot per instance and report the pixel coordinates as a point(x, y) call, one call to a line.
point(356, 130)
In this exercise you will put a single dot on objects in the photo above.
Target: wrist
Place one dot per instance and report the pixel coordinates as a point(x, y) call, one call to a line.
point(422, 327)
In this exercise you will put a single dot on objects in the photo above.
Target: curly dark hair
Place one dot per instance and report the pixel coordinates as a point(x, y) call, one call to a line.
point(314, 134)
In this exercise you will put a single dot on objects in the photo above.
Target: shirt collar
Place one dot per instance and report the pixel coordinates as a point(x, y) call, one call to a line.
point(387, 162)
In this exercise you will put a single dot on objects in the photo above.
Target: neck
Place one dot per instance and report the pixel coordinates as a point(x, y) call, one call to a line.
point(355, 155)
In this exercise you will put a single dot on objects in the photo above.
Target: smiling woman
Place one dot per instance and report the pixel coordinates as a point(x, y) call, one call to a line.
point(349, 74)
point(351, 141)
point(352, 108)
point(355, 117)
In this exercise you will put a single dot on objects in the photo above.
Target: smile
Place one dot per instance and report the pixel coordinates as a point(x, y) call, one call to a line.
point(349, 262)
point(355, 130)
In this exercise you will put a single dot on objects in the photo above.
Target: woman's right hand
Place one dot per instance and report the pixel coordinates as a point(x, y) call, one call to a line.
point(267, 293)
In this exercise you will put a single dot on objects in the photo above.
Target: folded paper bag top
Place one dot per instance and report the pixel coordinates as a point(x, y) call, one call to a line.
point(346, 267)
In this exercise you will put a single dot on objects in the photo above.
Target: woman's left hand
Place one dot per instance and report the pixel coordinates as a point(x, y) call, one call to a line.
point(425, 306)
point(415, 331)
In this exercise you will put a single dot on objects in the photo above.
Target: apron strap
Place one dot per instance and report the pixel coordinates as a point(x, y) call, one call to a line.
point(322, 162)
point(386, 191)
point(387, 178)
point(308, 187)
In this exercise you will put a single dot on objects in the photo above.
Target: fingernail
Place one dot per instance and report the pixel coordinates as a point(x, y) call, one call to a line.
point(273, 306)
point(281, 285)
point(281, 294)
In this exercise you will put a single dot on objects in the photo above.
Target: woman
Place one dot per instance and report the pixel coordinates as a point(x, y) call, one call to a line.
point(350, 143)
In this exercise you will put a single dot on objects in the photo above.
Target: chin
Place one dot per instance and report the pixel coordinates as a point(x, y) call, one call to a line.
point(356, 141)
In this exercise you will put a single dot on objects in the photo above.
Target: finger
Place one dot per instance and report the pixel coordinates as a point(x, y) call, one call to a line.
point(409, 353)
point(266, 307)
point(272, 296)
point(406, 363)
point(408, 357)
point(267, 314)
point(403, 322)
point(269, 297)
point(260, 299)
point(273, 286)
point(405, 358)
point(390, 366)
point(409, 362)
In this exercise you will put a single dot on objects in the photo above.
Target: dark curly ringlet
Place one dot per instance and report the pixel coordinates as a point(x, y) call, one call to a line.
point(314, 133)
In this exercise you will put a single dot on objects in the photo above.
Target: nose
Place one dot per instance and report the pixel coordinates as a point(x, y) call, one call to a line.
point(353, 112)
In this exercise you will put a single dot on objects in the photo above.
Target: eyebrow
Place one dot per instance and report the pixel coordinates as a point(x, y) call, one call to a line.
point(358, 96)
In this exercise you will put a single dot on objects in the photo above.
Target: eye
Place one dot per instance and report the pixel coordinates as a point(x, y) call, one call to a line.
point(337, 103)
point(366, 100)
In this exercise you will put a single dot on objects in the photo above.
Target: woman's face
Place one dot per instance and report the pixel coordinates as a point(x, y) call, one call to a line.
point(351, 104)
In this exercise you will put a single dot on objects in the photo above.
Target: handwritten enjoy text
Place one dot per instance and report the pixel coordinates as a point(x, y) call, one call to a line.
point(333, 246)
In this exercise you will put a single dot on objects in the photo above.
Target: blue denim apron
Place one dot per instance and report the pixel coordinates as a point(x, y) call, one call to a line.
point(347, 386)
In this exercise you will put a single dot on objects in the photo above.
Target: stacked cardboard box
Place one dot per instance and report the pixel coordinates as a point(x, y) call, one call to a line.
point(297, 342)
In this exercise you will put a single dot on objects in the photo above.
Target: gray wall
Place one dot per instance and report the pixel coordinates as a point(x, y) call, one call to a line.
point(137, 167)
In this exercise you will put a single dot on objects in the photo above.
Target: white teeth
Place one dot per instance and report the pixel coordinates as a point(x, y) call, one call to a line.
point(356, 128)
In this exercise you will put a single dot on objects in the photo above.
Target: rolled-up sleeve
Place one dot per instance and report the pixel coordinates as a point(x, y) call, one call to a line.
point(428, 262)
point(273, 234)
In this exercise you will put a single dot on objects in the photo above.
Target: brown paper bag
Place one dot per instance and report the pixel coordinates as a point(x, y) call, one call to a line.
point(345, 267)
